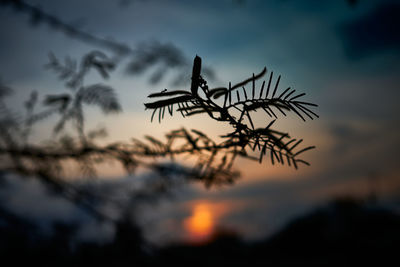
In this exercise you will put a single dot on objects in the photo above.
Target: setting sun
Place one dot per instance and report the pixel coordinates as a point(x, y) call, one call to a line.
point(200, 224)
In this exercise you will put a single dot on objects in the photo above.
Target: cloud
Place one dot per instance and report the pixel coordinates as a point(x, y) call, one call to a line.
point(373, 33)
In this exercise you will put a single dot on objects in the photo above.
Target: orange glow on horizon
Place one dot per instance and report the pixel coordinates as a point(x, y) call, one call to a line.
point(200, 224)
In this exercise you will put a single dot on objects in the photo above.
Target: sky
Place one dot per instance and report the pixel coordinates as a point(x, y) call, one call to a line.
point(344, 57)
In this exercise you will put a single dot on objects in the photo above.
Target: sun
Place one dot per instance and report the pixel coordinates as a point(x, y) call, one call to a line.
point(200, 224)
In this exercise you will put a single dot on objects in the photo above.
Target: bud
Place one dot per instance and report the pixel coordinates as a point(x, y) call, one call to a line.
point(196, 75)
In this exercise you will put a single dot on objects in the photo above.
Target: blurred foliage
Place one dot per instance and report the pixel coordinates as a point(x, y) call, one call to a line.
point(164, 57)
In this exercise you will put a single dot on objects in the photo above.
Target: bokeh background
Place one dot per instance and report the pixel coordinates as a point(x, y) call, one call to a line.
point(343, 54)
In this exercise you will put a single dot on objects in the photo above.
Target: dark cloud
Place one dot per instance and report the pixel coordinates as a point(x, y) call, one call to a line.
point(372, 33)
point(352, 2)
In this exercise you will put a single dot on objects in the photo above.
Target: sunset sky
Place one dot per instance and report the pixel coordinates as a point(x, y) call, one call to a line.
point(344, 57)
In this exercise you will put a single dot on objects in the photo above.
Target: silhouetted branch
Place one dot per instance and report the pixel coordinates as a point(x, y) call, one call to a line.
point(244, 136)
point(37, 16)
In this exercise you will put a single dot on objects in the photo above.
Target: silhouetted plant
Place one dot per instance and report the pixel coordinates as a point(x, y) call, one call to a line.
point(236, 109)
point(214, 160)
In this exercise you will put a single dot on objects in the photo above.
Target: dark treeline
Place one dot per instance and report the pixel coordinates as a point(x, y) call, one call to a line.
point(344, 233)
